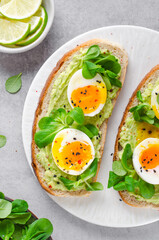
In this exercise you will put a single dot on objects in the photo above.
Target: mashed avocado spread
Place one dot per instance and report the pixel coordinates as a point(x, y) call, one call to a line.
point(134, 132)
point(59, 100)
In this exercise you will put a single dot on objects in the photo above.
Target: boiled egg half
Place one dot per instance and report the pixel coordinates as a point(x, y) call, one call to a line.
point(72, 151)
point(88, 94)
point(146, 160)
point(155, 100)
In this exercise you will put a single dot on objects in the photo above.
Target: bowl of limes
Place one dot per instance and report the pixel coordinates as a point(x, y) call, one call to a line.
point(24, 24)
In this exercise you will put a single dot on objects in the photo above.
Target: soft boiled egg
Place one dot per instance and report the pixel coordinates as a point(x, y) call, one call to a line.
point(72, 151)
point(146, 160)
point(88, 94)
point(154, 101)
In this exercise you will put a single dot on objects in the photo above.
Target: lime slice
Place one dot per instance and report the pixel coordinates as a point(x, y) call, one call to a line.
point(35, 23)
point(19, 9)
point(33, 37)
point(12, 31)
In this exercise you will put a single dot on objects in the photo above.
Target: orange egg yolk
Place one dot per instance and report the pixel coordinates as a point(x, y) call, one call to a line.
point(149, 158)
point(89, 97)
point(145, 130)
point(72, 156)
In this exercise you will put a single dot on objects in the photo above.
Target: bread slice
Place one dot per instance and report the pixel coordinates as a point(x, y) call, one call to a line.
point(152, 76)
point(42, 107)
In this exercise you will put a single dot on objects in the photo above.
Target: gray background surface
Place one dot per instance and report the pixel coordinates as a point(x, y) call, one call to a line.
point(72, 17)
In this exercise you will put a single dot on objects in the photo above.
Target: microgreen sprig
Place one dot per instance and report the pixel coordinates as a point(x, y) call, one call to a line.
point(123, 177)
point(106, 64)
point(58, 120)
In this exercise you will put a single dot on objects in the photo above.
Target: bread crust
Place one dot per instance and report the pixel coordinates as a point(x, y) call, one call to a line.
point(126, 197)
point(35, 164)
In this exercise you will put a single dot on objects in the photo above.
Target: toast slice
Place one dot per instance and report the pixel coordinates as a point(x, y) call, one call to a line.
point(152, 76)
point(42, 107)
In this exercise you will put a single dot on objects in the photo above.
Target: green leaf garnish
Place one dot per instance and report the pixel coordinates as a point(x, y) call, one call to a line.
point(118, 168)
point(77, 115)
point(3, 141)
point(13, 84)
point(114, 179)
point(147, 190)
point(127, 154)
point(139, 96)
point(94, 186)
point(84, 178)
point(92, 53)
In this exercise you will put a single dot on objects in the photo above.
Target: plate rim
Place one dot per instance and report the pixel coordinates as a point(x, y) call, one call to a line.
point(25, 104)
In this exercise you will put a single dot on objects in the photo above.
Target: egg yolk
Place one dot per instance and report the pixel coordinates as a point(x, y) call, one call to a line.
point(72, 156)
point(149, 158)
point(145, 130)
point(89, 97)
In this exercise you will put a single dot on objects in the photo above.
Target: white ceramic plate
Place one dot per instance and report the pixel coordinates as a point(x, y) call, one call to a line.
point(103, 208)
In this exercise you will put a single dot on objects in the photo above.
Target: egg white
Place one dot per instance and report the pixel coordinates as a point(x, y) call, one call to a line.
point(78, 81)
point(149, 176)
point(68, 135)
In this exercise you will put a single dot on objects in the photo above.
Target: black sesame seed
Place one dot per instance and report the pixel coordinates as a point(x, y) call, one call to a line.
point(81, 92)
point(100, 116)
point(64, 106)
point(77, 153)
point(73, 153)
point(74, 138)
point(143, 129)
point(111, 154)
point(120, 199)
point(74, 104)
point(58, 182)
point(97, 138)
point(155, 155)
point(144, 167)
point(151, 159)
point(57, 160)
point(66, 162)
point(156, 93)
point(150, 132)
point(55, 175)
point(66, 158)
point(86, 163)
point(71, 164)
point(69, 160)
point(85, 107)
point(154, 171)
point(148, 162)
point(49, 168)
point(71, 101)
point(79, 101)
point(146, 170)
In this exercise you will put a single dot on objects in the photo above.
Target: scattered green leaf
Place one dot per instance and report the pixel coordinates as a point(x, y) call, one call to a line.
point(13, 84)
point(3, 141)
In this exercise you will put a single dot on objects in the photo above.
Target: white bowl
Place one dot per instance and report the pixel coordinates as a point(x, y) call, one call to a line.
point(49, 6)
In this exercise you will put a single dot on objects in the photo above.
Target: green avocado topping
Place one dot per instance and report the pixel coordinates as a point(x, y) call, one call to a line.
point(60, 115)
point(141, 124)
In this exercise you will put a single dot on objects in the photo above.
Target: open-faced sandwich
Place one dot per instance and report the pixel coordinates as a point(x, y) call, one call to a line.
point(71, 118)
point(136, 159)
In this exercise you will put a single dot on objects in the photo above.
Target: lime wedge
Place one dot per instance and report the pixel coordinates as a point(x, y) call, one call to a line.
point(19, 9)
point(35, 23)
point(33, 37)
point(12, 31)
